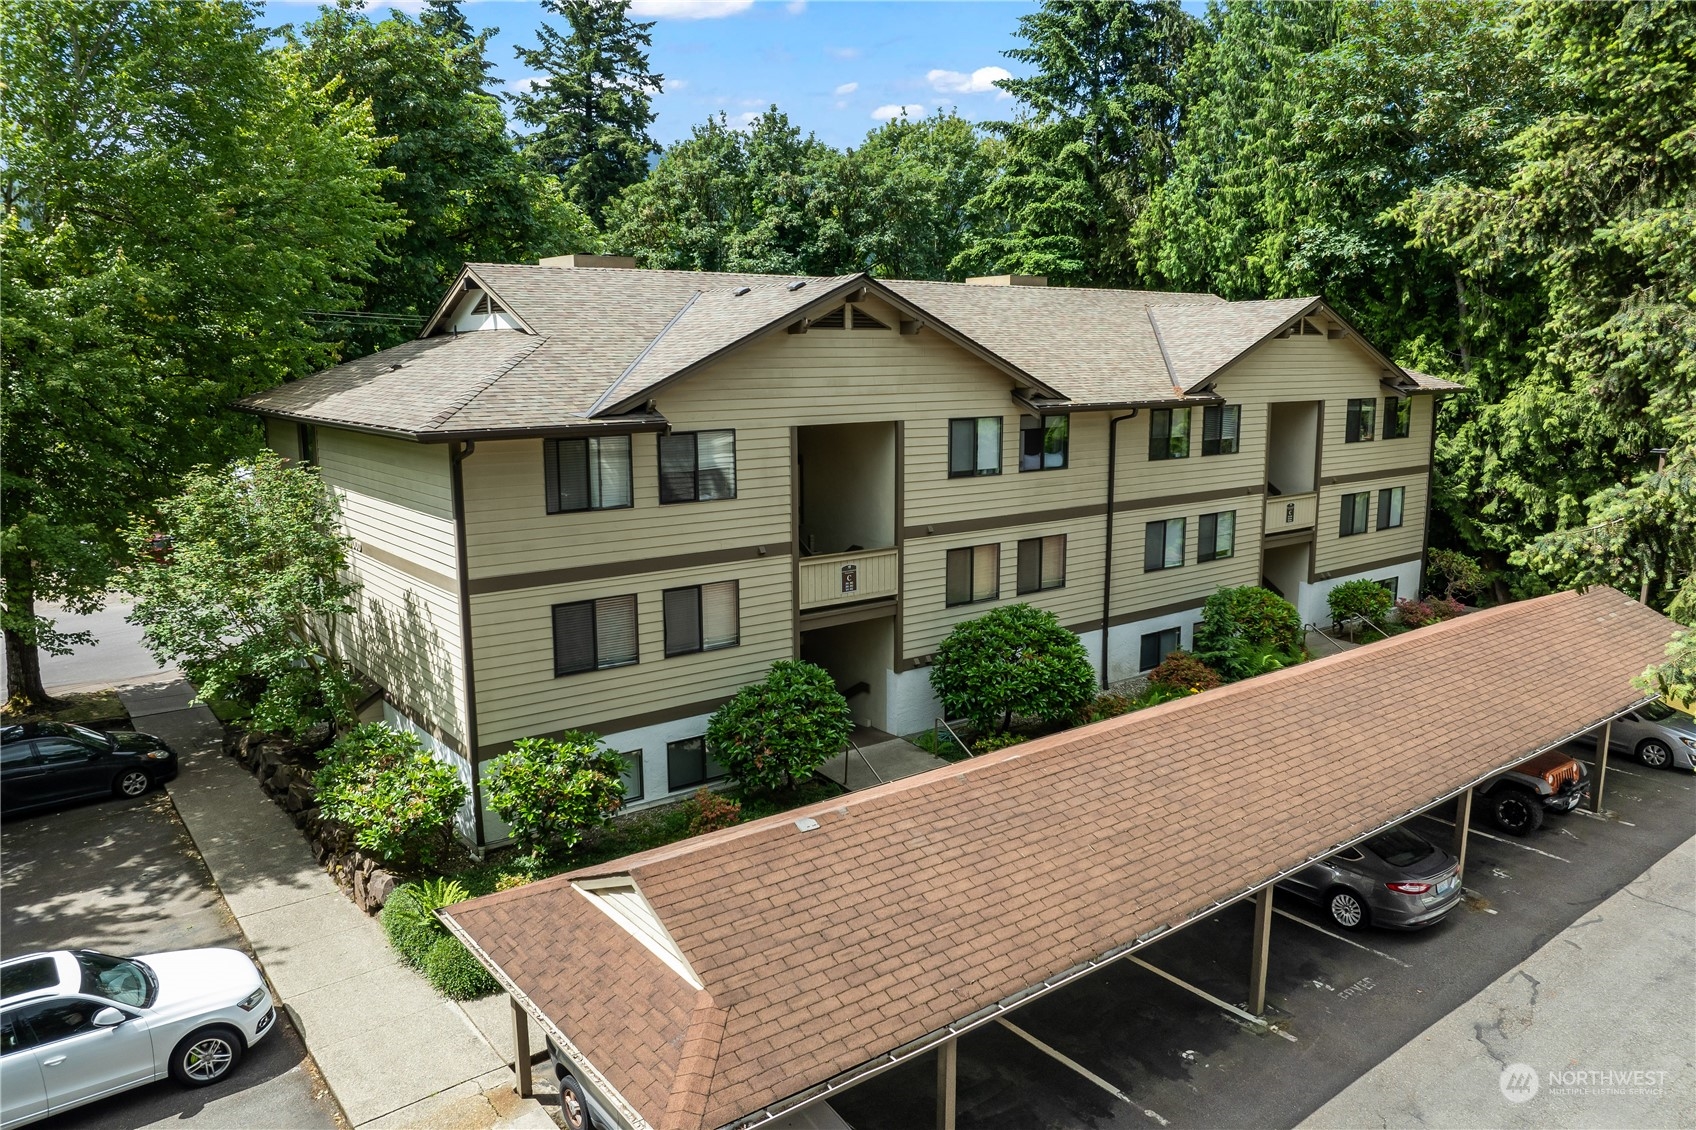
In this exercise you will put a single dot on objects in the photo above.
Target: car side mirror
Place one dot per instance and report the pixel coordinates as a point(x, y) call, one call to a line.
point(108, 1018)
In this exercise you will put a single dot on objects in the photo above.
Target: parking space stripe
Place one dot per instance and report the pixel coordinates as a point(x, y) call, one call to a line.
point(1498, 839)
point(1074, 1065)
point(1340, 938)
point(1241, 1014)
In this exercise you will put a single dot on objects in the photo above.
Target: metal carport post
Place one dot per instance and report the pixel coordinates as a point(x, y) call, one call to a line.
point(1602, 744)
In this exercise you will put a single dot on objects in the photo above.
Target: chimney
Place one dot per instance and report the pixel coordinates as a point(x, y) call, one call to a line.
point(621, 262)
point(1008, 280)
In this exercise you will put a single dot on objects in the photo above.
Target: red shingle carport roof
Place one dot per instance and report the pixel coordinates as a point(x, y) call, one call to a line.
point(918, 903)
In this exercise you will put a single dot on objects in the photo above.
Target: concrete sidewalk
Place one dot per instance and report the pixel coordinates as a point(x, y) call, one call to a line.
point(1594, 1029)
point(394, 1052)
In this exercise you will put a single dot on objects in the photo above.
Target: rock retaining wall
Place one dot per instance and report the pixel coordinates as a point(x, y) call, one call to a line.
point(284, 770)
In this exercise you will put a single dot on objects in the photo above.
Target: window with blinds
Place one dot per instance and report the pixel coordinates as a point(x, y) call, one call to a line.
point(1042, 563)
point(697, 466)
point(702, 618)
point(1217, 536)
point(1354, 513)
point(1164, 545)
point(974, 446)
point(587, 474)
point(1390, 507)
point(592, 635)
point(974, 574)
point(1220, 427)
point(1169, 433)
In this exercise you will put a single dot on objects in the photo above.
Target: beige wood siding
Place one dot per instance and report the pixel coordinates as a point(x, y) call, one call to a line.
point(1334, 555)
point(1136, 591)
point(397, 505)
point(519, 696)
point(283, 437)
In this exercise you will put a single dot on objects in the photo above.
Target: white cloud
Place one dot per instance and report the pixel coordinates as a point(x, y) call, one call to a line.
point(842, 52)
point(688, 9)
point(745, 122)
point(911, 110)
point(848, 88)
point(525, 84)
point(980, 81)
point(796, 7)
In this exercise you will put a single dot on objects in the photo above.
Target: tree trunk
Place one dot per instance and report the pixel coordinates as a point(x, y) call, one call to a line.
point(23, 675)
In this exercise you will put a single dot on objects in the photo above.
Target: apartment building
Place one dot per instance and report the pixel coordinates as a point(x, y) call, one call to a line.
point(594, 497)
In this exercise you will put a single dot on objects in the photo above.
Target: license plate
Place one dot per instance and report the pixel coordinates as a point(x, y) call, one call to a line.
point(1448, 884)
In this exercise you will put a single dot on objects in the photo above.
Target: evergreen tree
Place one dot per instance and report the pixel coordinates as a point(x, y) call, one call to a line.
point(1092, 141)
point(176, 201)
point(592, 107)
point(466, 192)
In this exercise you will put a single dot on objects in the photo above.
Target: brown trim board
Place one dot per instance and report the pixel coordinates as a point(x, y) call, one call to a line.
point(1367, 476)
point(509, 582)
point(1070, 513)
point(882, 608)
point(411, 568)
point(1364, 567)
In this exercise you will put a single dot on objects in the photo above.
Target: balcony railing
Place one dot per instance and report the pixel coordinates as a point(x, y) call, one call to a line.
point(1287, 512)
point(842, 578)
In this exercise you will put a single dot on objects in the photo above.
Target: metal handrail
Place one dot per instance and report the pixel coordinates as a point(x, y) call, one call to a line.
point(936, 738)
point(851, 747)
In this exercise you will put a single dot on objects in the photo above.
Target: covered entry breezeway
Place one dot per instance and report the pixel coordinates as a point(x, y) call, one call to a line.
point(743, 976)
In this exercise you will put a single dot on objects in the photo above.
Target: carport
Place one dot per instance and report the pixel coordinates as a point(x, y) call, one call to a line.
point(739, 977)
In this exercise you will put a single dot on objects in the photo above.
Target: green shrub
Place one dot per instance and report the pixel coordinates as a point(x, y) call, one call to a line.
point(1108, 704)
point(1368, 600)
point(710, 811)
point(507, 880)
point(778, 731)
point(1244, 629)
point(989, 743)
point(1156, 693)
point(1458, 572)
point(1416, 613)
point(1183, 671)
point(1016, 661)
point(409, 917)
point(551, 791)
point(395, 799)
point(454, 973)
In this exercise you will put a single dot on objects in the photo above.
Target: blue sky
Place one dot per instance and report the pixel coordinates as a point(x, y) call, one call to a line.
point(837, 67)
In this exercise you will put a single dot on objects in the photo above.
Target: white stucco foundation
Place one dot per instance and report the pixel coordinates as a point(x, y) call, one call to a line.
point(1311, 599)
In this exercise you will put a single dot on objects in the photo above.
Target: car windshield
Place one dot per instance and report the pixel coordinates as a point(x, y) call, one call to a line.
point(1661, 712)
point(76, 733)
point(28, 976)
point(1399, 847)
point(117, 979)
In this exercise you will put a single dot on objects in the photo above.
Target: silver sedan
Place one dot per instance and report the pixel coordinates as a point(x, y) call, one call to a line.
point(1396, 879)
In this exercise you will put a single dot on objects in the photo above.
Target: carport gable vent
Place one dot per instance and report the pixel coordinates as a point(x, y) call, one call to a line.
point(620, 899)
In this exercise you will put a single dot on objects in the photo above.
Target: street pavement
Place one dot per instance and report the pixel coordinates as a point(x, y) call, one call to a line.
point(1585, 1032)
point(116, 655)
point(393, 1051)
point(123, 876)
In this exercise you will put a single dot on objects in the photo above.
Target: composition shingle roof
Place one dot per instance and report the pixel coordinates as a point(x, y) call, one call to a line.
point(921, 902)
point(601, 339)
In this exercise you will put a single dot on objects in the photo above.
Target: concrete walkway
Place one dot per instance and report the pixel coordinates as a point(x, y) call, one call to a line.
point(877, 757)
point(1591, 1030)
point(394, 1052)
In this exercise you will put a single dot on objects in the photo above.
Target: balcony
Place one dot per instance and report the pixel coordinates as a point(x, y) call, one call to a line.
point(1286, 513)
point(844, 578)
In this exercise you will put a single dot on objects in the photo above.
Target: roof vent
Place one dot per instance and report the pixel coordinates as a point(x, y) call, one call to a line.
point(619, 262)
point(807, 824)
point(1008, 280)
point(796, 285)
point(741, 290)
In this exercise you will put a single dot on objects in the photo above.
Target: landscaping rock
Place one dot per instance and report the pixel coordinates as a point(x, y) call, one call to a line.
point(378, 888)
point(300, 797)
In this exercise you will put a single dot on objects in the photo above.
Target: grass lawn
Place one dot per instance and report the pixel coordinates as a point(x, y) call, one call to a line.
point(97, 709)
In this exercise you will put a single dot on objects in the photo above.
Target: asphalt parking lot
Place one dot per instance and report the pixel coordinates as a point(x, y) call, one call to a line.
point(1126, 1048)
point(124, 876)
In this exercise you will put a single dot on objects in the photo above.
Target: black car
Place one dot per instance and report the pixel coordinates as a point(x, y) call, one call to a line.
point(47, 763)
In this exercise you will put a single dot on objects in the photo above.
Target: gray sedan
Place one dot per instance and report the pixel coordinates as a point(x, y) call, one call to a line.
point(1657, 735)
point(1396, 879)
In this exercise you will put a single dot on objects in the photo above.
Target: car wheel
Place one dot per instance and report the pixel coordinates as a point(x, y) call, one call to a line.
point(1516, 812)
point(573, 1106)
point(205, 1056)
point(1654, 753)
point(132, 782)
point(1346, 909)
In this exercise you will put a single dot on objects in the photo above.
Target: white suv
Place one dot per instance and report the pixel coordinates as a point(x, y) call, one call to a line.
point(78, 1026)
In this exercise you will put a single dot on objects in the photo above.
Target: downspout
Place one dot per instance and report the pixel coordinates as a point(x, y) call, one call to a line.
point(1107, 562)
point(457, 454)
